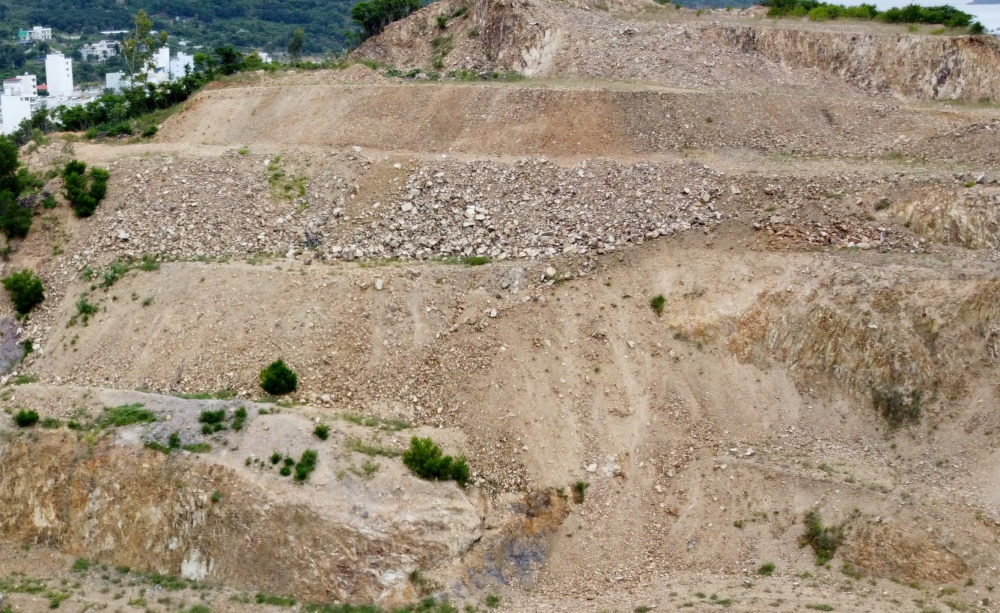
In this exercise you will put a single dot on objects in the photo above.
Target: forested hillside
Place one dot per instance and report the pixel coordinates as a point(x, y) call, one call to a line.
point(266, 24)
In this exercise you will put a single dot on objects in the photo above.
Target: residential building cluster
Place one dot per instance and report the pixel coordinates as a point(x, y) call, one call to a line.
point(21, 99)
point(37, 33)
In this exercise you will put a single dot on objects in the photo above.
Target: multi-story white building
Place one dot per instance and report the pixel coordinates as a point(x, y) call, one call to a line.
point(99, 51)
point(18, 102)
point(59, 75)
point(181, 65)
point(35, 33)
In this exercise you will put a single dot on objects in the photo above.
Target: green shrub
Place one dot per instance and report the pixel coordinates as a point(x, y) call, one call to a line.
point(766, 569)
point(15, 220)
point(285, 471)
point(174, 442)
point(322, 431)
point(824, 540)
point(427, 461)
point(442, 21)
point(891, 403)
point(26, 419)
point(84, 195)
point(239, 417)
point(278, 379)
point(150, 132)
point(657, 304)
point(51, 423)
point(25, 290)
point(492, 601)
point(580, 491)
point(306, 465)
point(275, 457)
point(212, 417)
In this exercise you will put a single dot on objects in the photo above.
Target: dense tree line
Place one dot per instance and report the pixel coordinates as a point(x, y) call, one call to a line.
point(944, 15)
point(266, 24)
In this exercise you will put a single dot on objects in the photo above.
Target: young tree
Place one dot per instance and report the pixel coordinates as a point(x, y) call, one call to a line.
point(137, 49)
point(230, 60)
point(295, 45)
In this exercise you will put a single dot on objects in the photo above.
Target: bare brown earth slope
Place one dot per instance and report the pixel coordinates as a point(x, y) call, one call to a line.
point(698, 283)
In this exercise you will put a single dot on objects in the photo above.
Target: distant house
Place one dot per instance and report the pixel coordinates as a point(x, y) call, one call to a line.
point(99, 51)
point(36, 33)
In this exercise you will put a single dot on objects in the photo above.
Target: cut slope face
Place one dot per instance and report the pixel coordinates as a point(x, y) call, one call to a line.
point(656, 44)
point(664, 319)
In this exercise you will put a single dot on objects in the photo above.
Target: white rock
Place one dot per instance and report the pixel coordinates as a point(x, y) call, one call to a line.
point(378, 284)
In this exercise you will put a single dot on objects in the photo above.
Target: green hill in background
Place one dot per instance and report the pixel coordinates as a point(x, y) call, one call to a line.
point(248, 24)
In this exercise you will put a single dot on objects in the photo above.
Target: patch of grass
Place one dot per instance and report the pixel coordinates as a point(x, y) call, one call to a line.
point(278, 601)
point(851, 571)
point(392, 425)
point(368, 469)
point(81, 565)
point(739, 524)
point(51, 423)
point(766, 569)
point(492, 601)
point(147, 301)
point(322, 431)
point(356, 444)
point(657, 304)
point(580, 491)
point(476, 260)
point(819, 607)
point(197, 448)
point(126, 415)
point(824, 540)
point(24, 380)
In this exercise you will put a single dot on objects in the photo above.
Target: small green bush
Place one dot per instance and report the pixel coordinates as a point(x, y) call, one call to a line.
point(580, 491)
point(212, 417)
point(427, 461)
point(15, 220)
point(174, 442)
point(322, 432)
point(891, 403)
point(306, 465)
point(442, 21)
point(81, 565)
point(278, 379)
point(150, 132)
point(657, 304)
point(25, 290)
point(26, 419)
point(492, 601)
point(275, 457)
point(766, 569)
point(824, 540)
point(83, 190)
point(239, 418)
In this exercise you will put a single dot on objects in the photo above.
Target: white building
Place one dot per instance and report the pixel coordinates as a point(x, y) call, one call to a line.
point(161, 59)
point(264, 57)
point(35, 33)
point(114, 81)
point(59, 75)
point(20, 96)
point(181, 65)
point(99, 51)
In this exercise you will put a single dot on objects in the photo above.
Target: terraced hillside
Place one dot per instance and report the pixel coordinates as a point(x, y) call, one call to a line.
point(714, 321)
